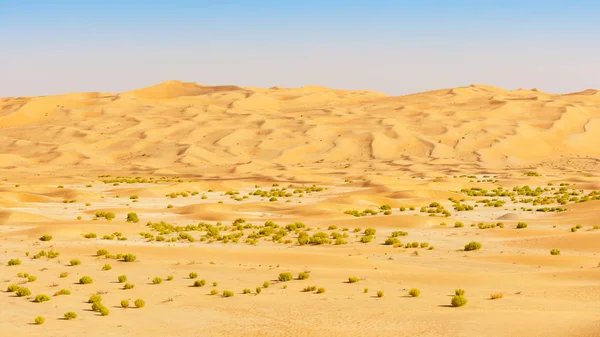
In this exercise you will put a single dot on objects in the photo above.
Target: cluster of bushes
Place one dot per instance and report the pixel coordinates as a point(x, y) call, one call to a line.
point(106, 215)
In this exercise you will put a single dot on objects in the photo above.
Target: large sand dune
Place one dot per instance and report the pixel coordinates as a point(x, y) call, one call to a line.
point(181, 126)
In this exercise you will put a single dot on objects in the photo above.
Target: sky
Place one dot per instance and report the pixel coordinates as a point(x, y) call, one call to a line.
point(397, 47)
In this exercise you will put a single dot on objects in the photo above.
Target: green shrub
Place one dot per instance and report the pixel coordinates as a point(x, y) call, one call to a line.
point(227, 293)
point(104, 311)
point(414, 292)
point(90, 235)
point(132, 217)
point(125, 304)
point(320, 290)
point(95, 298)
point(139, 303)
point(352, 279)
point(46, 237)
point(573, 229)
point(31, 278)
point(14, 262)
point(41, 298)
point(459, 292)
point(266, 284)
point(97, 306)
point(128, 286)
point(129, 258)
point(122, 278)
point(285, 277)
point(214, 292)
point(21, 292)
point(39, 320)
point(199, 283)
point(370, 231)
point(303, 276)
point(366, 239)
point(193, 275)
point(157, 280)
point(380, 293)
point(75, 262)
point(246, 291)
point(366, 290)
point(102, 252)
point(458, 301)
point(258, 290)
point(473, 245)
point(170, 278)
point(107, 267)
point(70, 315)
point(459, 224)
point(215, 284)
point(12, 288)
point(64, 292)
point(554, 252)
point(86, 280)
point(393, 241)
point(52, 254)
point(521, 225)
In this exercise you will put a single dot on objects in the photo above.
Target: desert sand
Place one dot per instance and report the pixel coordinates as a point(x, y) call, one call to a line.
point(242, 167)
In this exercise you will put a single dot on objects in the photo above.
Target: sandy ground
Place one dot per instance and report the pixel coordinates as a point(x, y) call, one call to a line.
point(357, 150)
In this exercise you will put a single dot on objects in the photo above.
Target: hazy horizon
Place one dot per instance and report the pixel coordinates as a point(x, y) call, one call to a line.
point(396, 47)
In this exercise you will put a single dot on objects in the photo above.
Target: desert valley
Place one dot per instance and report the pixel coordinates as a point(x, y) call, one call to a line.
point(182, 209)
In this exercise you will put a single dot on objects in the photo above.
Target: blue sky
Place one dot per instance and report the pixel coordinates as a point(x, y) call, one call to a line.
point(397, 47)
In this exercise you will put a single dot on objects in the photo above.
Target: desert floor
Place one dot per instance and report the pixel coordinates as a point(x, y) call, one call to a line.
point(251, 183)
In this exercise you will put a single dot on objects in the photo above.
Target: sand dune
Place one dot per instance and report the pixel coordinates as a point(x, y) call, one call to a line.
point(265, 166)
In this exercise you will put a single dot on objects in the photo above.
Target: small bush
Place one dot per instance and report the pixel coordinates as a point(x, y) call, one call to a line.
point(46, 237)
point(370, 231)
point(459, 292)
point(31, 278)
point(303, 276)
point(75, 262)
point(14, 262)
point(458, 301)
point(266, 284)
point(170, 278)
point(214, 292)
point(352, 279)
point(64, 292)
point(39, 320)
point(12, 288)
point(157, 280)
point(139, 303)
point(104, 311)
point(41, 298)
point(193, 275)
point(21, 292)
point(128, 286)
point(102, 252)
point(473, 245)
point(496, 296)
point(320, 290)
point(90, 235)
point(129, 258)
point(227, 293)
point(285, 277)
point(95, 298)
point(258, 290)
point(414, 292)
point(86, 280)
point(97, 306)
point(380, 293)
point(199, 283)
point(63, 275)
point(122, 278)
point(521, 225)
point(132, 217)
point(125, 304)
point(107, 267)
point(555, 252)
point(70, 315)
point(246, 291)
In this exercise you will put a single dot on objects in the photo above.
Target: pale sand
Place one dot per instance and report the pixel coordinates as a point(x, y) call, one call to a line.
point(400, 151)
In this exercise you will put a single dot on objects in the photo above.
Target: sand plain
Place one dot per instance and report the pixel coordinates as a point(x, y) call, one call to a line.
point(206, 156)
